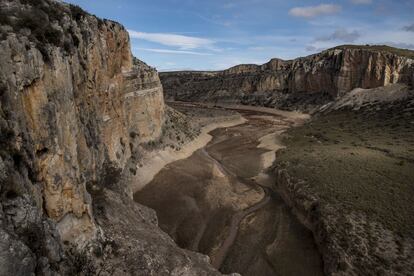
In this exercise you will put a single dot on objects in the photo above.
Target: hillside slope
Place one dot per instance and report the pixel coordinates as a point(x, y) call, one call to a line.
point(347, 174)
point(300, 83)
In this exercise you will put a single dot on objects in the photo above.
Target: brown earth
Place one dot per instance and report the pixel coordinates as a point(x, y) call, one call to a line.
point(201, 200)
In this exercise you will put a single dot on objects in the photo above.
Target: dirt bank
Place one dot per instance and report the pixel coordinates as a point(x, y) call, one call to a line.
point(154, 161)
point(348, 177)
point(210, 203)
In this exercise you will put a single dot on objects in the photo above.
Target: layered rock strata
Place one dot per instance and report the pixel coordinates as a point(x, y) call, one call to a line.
point(75, 110)
point(303, 82)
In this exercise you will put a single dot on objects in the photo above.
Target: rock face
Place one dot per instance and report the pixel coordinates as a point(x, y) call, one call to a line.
point(351, 239)
point(303, 82)
point(75, 106)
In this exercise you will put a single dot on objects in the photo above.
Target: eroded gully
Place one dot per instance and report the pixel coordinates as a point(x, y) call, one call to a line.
point(213, 203)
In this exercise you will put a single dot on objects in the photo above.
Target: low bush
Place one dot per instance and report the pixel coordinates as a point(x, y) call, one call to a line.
point(77, 12)
point(44, 20)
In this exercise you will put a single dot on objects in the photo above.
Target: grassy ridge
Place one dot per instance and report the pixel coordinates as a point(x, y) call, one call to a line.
point(359, 161)
point(382, 48)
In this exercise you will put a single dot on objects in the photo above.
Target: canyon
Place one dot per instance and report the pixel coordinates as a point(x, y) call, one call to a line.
point(107, 167)
point(222, 207)
point(304, 83)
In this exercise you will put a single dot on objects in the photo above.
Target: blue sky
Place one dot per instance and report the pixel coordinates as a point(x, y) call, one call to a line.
point(217, 34)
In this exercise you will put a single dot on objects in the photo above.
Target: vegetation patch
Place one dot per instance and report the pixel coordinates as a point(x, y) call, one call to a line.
point(382, 48)
point(45, 21)
point(359, 161)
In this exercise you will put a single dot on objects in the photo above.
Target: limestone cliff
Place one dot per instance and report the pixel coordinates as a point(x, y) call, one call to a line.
point(74, 109)
point(353, 240)
point(302, 82)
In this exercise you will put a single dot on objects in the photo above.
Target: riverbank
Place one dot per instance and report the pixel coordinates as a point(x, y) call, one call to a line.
point(211, 202)
point(156, 159)
point(292, 116)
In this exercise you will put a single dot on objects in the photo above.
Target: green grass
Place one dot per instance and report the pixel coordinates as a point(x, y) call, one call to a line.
point(359, 162)
point(382, 48)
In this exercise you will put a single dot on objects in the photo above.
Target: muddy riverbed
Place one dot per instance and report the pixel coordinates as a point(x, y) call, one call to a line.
point(214, 202)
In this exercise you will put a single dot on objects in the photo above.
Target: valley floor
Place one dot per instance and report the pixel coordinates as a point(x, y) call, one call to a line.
point(341, 186)
point(214, 202)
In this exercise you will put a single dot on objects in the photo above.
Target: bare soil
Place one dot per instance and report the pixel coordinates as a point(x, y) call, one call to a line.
point(211, 203)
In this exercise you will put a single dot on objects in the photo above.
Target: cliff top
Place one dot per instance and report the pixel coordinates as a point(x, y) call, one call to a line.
point(248, 67)
point(45, 22)
point(381, 48)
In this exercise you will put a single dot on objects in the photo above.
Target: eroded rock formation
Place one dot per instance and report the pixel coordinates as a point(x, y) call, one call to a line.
point(75, 107)
point(351, 239)
point(303, 82)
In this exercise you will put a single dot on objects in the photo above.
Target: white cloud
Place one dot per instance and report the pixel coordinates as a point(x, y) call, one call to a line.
point(176, 52)
point(230, 61)
point(361, 2)
point(180, 41)
point(313, 11)
point(217, 20)
point(388, 35)
point(393, 38)
point(341, 34)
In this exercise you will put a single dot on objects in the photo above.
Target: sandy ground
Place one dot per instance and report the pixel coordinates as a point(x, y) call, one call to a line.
point(287, 115)
point(294, 116)
point(201, 201)
point(156, 160)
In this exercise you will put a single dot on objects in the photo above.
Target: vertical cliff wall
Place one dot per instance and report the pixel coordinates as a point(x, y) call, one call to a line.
point(299, 83)
point(74, 107)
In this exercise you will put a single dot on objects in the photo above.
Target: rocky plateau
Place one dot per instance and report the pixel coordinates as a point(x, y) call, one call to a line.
point(303, 83)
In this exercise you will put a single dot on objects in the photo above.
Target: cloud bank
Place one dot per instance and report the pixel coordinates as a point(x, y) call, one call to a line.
point(181, 41)
point(361, 2)
point(341, 34)
point(178, 52)
point(409, 28)
point(313, 11)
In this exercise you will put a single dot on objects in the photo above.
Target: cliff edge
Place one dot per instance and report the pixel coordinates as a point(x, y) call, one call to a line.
point(75, 110)
point(304, 83)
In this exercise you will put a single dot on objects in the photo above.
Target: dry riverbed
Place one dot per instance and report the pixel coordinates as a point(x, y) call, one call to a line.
point(216, 202)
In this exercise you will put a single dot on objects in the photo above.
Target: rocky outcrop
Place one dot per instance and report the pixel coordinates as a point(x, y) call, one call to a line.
point(300, 83)
point(351, 239)
point(75, 108)
point(346, 250)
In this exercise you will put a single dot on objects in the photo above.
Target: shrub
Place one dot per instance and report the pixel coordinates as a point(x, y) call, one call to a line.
point(44, 51)
point(37, 16)
point(77, 12)
point(42, 31)
point(30, 2)
point(34, 20)
point(3, 35)
point(68, 46)
point(4, 18)
point(101, 22)
point(53, 36)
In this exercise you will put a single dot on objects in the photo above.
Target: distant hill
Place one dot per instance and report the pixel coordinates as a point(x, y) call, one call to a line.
point(303, 83)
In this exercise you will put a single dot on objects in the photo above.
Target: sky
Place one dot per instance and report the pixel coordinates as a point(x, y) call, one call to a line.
point(217, 34)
